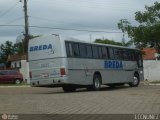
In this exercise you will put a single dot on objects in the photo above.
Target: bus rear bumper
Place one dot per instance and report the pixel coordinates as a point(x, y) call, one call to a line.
point(57, 82)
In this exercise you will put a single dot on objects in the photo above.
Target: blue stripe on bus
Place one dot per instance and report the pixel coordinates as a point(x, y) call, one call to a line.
point(113, 64)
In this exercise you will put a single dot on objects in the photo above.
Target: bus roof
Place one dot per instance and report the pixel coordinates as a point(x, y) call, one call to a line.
point(71, 39)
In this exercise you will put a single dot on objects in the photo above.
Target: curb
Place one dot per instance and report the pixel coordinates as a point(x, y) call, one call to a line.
point(156, 84)
point(147, 83)
point(25, 86)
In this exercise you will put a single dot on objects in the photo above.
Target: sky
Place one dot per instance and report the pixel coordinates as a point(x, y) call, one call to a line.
point(90, 15)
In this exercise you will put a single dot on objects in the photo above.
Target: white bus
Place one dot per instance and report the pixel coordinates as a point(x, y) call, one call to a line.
point(70, 63)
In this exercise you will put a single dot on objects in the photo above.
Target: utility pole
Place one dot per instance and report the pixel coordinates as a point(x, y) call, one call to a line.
point(26, 34)
point(26, 26)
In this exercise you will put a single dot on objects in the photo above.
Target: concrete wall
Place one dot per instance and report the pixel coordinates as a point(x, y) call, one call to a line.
point(151, 70)
point(25, 70)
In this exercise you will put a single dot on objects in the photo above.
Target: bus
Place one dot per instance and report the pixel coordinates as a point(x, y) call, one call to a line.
point(56, 61)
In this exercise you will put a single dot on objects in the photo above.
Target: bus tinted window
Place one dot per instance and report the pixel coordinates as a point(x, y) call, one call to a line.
point(116, 54)
point(139, 59)
point(75, 47)
point(133, 57)
point(120, 53)
point(89, 51)
point(83, 51)
point(69, 49)
point(100, 52)
point(130, 55)
point(111, 53)
point(95, 51)
point(125, 54)
point(104, 52)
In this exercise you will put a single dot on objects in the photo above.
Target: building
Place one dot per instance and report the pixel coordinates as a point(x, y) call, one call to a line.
point(20, 63)
point(150, 54)
point(151, 64)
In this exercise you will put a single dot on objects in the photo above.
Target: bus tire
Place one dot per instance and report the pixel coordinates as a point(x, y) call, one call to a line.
point(136, 80)
point(97, 82)
point(69, 89)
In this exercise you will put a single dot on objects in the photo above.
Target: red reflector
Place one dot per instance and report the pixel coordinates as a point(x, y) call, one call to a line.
point(30, 74)
point(63, 72)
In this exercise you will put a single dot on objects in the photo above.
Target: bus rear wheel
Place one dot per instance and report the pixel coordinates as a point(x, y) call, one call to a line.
point(69, 89)
point(97, 82)
point(135, 81)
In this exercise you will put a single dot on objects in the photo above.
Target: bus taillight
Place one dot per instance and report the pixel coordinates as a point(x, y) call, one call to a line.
point(62, 71)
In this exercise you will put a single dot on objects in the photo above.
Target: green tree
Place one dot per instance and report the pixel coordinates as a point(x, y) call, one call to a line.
point(19, 48)
point(9, 48)
point(147, 33)
point(6, 49)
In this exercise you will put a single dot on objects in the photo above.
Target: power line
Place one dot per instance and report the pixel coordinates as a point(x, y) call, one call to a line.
point(8, 10)
point(46, 19)
point(12, 21)
point(71, 29)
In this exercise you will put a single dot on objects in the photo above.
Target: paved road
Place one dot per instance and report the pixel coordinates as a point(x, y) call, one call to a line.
point(142, 99)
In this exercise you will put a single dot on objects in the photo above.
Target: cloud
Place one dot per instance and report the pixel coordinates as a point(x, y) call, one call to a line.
point(71, 14)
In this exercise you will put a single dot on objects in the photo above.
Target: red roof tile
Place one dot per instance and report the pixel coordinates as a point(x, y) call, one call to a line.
point(149, 54)
point(17, 57)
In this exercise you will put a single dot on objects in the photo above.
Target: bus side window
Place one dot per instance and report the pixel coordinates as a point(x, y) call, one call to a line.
point(121, 54)
point(95, 51)
point(89, 51)
point(75, 47)
point(104, 52)
point(125, 54)
point(131, 55)
point(69, 49)
point(83, 50)
point(100, 51)
point(111, 53)
point(116, 54)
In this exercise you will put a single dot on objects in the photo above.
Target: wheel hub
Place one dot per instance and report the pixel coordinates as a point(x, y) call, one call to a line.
point(135, 80)
point(97, 84)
